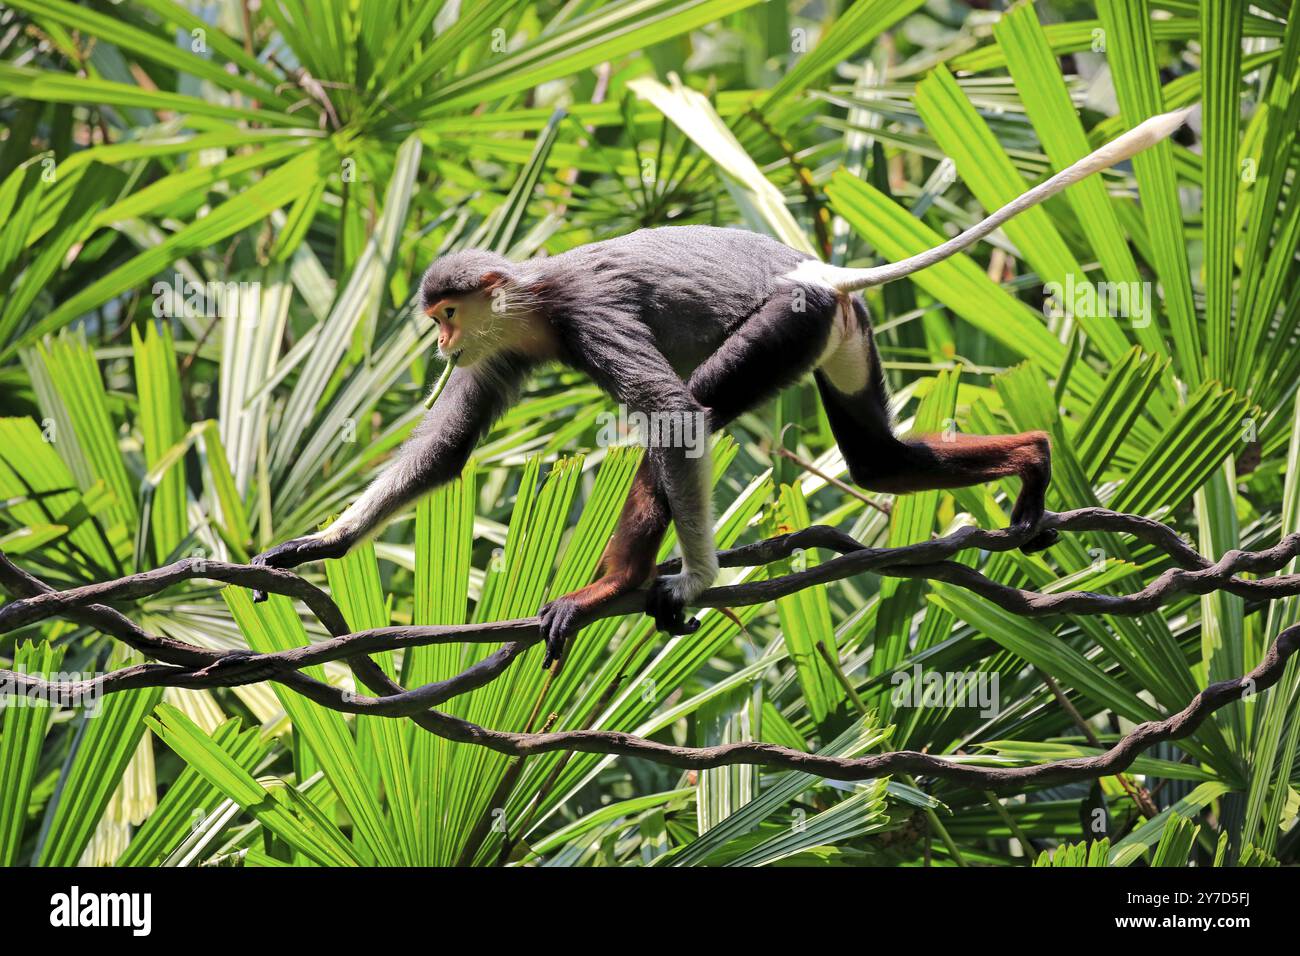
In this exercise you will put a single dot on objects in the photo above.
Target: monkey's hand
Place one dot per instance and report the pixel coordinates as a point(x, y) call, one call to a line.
point(666, 602)
point(297, 551)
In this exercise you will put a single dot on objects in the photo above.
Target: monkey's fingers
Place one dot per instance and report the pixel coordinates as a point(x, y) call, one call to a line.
point(677, 623)
point(258, 594)
point(557, 621)
point(554, 648)
point(668, 612)
point(284, 555)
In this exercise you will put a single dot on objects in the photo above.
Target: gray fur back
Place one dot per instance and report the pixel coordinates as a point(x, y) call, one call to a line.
point(691, 285)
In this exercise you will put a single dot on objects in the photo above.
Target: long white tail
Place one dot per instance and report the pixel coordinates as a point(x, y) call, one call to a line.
point(1129, 144)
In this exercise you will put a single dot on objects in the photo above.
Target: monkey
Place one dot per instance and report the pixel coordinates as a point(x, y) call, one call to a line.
point(687, 320)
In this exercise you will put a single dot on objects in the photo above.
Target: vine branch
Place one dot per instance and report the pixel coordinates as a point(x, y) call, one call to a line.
point(180, 664)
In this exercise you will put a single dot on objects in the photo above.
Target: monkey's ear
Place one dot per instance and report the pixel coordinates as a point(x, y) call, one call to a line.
point(491, 281)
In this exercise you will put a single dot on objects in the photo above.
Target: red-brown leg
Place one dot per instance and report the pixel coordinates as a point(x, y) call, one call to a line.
point(769, 351)
point(880, 461)
point(955, 461)
point(628, 561)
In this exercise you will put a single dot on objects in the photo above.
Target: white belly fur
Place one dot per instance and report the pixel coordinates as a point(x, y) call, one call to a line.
point(845, 359)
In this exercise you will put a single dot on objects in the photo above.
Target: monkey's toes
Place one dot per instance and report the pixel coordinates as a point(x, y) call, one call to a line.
point(558, 622)
point(1041, 541)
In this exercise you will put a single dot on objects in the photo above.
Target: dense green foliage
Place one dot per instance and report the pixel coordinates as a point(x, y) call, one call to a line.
point(312, 156)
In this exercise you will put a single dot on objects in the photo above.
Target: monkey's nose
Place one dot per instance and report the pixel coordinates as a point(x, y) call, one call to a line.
point(448, 337)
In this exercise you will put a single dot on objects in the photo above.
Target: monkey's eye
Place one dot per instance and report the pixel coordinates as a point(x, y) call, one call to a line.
point(449, 312)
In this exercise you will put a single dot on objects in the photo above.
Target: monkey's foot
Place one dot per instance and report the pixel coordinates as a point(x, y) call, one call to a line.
point(666, 606)
point(1041, 541)
point(558, 621)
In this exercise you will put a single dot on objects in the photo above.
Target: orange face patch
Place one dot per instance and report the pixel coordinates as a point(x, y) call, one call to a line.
point(435, 307)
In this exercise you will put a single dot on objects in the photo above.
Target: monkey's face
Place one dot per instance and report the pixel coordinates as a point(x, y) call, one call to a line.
point(470, 325)
point(482, 308)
